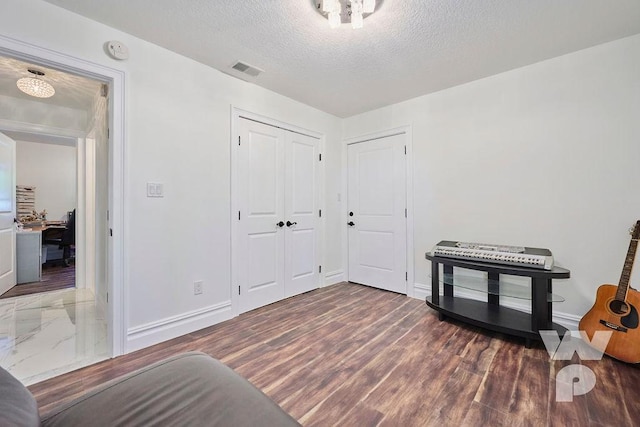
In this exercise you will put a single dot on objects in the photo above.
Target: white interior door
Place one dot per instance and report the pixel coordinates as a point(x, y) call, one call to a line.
point(301, 213)
point(377, 209)
point(7, 213)
point(261, 202)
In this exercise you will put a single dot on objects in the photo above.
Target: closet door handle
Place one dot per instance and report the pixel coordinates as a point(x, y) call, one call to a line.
point(280, 224)
point(351, 223)
point(289, 223)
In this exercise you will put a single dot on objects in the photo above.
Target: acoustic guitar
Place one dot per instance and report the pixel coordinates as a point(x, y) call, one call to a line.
point(616, 309)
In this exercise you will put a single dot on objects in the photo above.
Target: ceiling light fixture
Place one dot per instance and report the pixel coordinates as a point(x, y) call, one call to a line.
point(345, 11)
point(35, 86)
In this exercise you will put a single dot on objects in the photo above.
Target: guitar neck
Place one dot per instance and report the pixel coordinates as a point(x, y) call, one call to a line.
point(623, 285)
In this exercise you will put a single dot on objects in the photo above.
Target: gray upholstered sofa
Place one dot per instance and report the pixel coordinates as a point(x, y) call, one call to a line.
point(190, 389)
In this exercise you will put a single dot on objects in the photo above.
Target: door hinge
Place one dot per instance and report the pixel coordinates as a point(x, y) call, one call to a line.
point(108, 133)
point(111, 232)
point(107, 297)
point(319, 269)
point(405, 149)
point(107, 215)
point(320, 213)
point(405, 212)
point(238, 215)
point(238, 139)
point(320, 157)
point(406, 276)
point(238, 289)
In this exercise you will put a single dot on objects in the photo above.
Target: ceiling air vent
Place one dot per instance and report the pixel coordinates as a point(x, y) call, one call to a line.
point(247, 69)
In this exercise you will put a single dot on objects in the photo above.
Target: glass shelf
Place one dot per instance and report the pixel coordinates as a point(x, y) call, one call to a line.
point(503, 288)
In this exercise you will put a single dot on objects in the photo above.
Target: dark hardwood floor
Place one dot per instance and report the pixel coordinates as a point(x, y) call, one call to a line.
point(351, 355)
point(54, 277)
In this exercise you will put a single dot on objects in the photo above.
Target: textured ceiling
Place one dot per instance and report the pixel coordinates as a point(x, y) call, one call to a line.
point(406, 49)
point(71, 91)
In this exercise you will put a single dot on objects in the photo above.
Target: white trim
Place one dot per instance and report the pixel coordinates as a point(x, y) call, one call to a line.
point(333, 277)
point(174, 326)
point(568, 320)
point(236, 114)
point(117, 167)
point(82, 184)
point(408, 132)
point(15, 126)
point(421, 291)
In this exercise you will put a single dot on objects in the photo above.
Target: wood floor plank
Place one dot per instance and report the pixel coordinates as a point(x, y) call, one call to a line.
point(479, 352)
point(629, 376)
point(358, 356)
point(53, 278)
point(482, 415)
point(606, 400)
point(362, 416)
point(334, 407)
point(402, 399)
point(497, 388)
point(530, 399)
point(333, 368)
point(454, 401)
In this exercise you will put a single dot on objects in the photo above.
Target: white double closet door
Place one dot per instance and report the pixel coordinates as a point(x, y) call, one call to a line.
point(377, 223)
point(278, 218)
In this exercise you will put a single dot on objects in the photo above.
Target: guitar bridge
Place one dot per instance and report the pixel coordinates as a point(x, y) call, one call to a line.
point(613, 326)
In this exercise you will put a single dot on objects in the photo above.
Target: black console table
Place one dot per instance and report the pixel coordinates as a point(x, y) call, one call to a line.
point(491, 315)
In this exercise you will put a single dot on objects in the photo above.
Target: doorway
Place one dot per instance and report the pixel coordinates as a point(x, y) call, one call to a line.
point(378, 220)
point(111, 187)
point(46, 198)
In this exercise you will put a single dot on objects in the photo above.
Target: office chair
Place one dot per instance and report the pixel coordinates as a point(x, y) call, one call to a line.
point(64, 240)
point(68, 238)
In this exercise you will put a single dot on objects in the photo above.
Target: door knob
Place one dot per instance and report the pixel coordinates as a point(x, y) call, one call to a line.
point(351, 223)
point(289, 223)
point(280, 224)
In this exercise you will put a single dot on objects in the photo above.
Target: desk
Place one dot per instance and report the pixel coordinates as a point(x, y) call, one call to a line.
point(46, 227)
point(28, 256)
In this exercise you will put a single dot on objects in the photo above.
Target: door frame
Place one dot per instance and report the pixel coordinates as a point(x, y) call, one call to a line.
point(236, 115)
point(116, 250)
point(407, 132)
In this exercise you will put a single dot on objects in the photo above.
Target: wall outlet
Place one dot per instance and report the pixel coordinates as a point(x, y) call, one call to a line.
point(197, 287)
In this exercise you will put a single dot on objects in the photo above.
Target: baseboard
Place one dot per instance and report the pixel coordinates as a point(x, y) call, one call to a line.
point(421, 291)
point(333, 277)
point(171, 327)
point(568, 320)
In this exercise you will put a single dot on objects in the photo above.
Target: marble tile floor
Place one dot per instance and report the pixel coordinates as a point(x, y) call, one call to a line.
point(47, 334)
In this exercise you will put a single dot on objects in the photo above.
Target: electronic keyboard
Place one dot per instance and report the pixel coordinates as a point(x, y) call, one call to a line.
point(500, 254)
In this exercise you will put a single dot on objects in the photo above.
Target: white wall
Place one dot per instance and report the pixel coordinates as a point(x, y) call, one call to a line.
point(52, 170)
point(177, 118)
point(18, 110)
point(544, 156)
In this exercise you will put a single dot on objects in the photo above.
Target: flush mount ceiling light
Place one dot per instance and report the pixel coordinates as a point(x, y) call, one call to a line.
point(35, 86)
point(345, 11)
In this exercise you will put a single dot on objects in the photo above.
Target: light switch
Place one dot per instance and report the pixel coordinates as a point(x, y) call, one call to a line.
point(155, 189)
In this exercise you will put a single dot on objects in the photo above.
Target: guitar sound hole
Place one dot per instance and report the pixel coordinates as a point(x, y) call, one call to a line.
point(619, 307)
